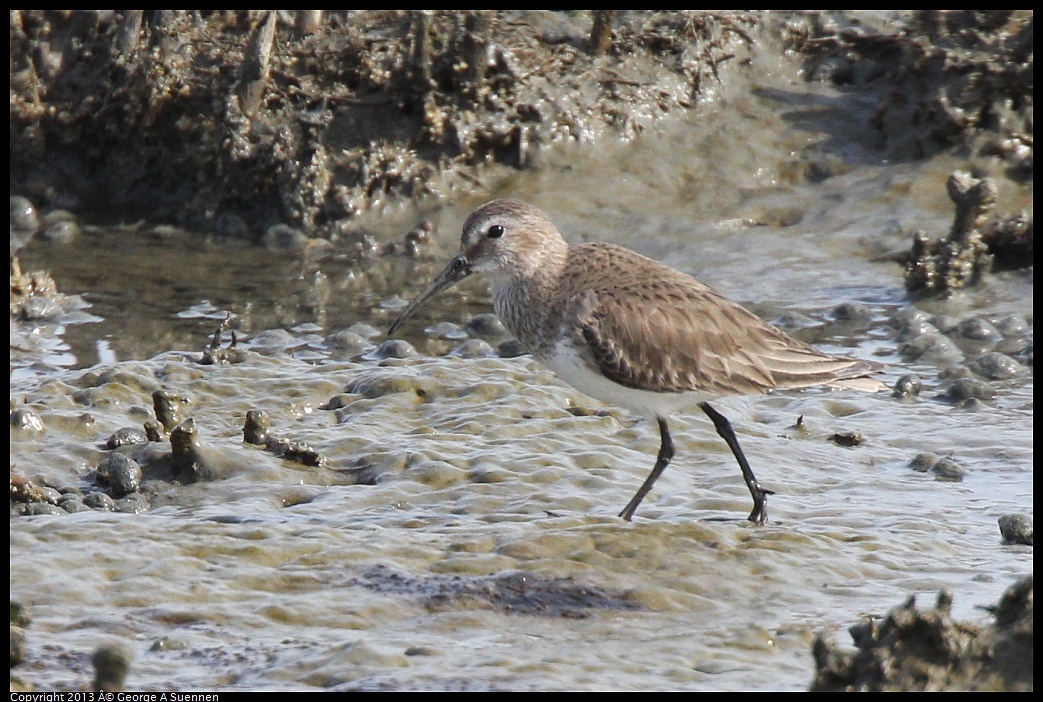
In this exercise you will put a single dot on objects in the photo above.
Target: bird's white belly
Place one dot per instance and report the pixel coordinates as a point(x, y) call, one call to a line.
point(567, 363)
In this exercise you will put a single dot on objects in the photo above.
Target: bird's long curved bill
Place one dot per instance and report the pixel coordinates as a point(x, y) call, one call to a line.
point(457, 270)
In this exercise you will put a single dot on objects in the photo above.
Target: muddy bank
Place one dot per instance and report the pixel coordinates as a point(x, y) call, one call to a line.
point(240, 120)
point(926, 650)
point(235, 121)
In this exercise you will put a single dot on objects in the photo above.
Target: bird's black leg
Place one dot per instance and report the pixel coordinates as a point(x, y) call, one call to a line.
point(666, 452)
point(759, 515)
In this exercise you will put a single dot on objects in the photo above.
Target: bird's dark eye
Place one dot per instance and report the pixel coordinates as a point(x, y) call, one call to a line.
point(495, 232)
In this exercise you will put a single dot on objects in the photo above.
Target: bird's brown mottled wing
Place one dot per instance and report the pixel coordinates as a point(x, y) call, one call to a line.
point(658, 329)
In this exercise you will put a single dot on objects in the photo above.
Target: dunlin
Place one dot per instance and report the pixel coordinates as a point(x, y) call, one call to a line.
point(631, 331)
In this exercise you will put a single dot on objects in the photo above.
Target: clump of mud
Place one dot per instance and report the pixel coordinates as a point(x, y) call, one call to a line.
point(513, 593)
point(927, 650)
point(948, 78)
point(978, 242)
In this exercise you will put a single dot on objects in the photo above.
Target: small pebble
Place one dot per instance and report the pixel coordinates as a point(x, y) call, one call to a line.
point(908, 385)
point(347, 341)
point(914, 329)
point(954, 372)
point(167, 406)
point(61, 232)
point(978, 330)
point(25, 419)
point(17, 654)
point(231, 225)
point(282, 237)
point(73, 503)
point(1016, 529)
point(945, 323)
point(38, 508)
point(474, 348)
point(50, 495)
point(420, 651)
point(969, 388)
point(848, 438)
point(447, 331)
point(125, 437)
point(100, 501)
point(133, 504)
point(24, 218)
point(931, 348)
point(948, 469)
point(41, 307)
point(24, 490)
point(852, 311)
point(154, 430)
point(257, 429)
point(275, 341)
point(366, 331)
point(339, 401)
point(111, 664)
point(832, 69)
point(121, 473)
point(975, 336)
point(923, 462)
point(393, 348)
point(1011, 325)
point(1014, 346)
point(20, 615)
point(511, 348)
point(995, 366)
point(788, 319)
point(908, 315)
point(185, 450)
point(165, 643)
point(373, 387)
point(486, 325)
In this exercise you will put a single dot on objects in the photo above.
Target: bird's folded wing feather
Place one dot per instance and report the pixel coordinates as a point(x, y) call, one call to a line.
point(680, 335)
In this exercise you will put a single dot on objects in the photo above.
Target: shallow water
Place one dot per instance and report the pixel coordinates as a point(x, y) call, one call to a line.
point(279, 576)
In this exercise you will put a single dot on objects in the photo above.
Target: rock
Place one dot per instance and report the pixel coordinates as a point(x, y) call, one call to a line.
point(1016, 529)
point(121, 473)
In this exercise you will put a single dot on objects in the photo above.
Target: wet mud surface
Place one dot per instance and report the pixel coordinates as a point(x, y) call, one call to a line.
point(295, 501)
point(511, 593)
